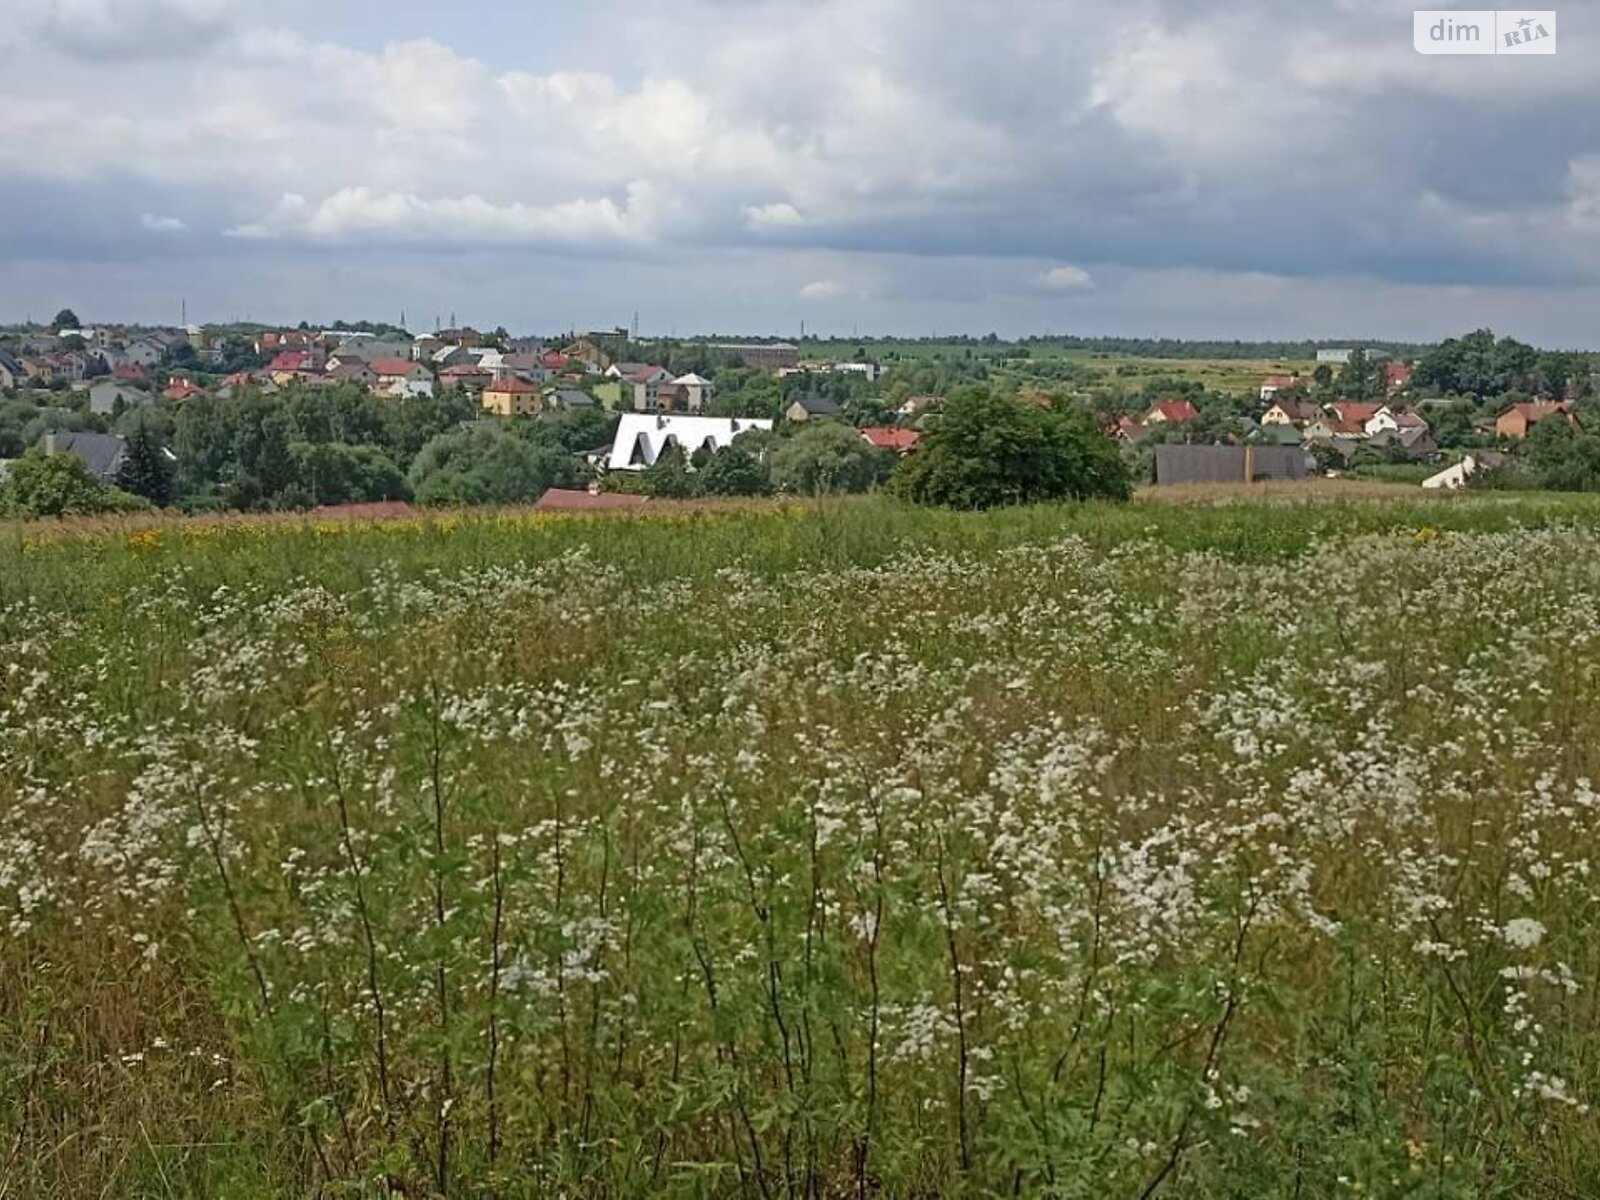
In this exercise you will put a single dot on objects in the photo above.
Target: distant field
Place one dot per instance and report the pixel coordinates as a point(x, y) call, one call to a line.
point(1219, 375)
point(1211, 849)
point(1223, 375)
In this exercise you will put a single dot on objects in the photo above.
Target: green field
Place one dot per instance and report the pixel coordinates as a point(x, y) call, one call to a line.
point(1228, 850)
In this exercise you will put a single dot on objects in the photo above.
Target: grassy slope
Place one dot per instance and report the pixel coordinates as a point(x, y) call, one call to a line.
point(1121, 826)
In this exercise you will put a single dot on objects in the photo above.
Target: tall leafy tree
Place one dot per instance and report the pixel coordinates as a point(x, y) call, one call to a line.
point(146, 469)
point(55, 485)
point(828, 457)
point(486, 466)
point(989, 450)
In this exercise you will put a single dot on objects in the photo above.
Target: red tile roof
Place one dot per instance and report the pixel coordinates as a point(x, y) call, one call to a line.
point(1179, 412)
point(513, 386)
point(564, 500)
point(888, 438)
point(392, 366)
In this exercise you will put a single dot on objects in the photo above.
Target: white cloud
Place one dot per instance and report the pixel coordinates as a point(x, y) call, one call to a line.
point(1066, 279)
point(158, 224)
point(769, 218)
point(120, 29)
point(1198, 136)
point(823, 289)
point(359, 213)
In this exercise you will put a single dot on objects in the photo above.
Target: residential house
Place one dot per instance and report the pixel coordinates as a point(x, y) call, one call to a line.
point(887, 437)
point(1273, 384)
point(525, 365)
point(73, 366)
point(1416, 443)
point(179, 389)
point(642, 438)
point(11, 373)
point(697, 391)
point(352, 370)
point(568, 399)
point(647, 383)
point(291, 339)
point(1275, 435)
point(915, 406)
point(424, 346)
point(1357, 411)
point(1128, 429)
point(453, 356)
point(1453, 478)
point(1518, 421)
point(402, 376)
point(1382, 421)
point(871, 370)
point(1291, 413)
point(808, 407)
point(625, 370)
point(106, 397)
point(471, 379)
point(512, 397)
point(130, 373)
point(40, 370)
point(1172, 412)
point(1396, 377)
point(146, 352)
point(1327, 427)
point(102, 453)
point(525, 345)
point(375, 348)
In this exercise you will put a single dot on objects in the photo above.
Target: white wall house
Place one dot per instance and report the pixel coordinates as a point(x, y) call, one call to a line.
point(1453, 478)
point(644, 437)
point(1382, 421)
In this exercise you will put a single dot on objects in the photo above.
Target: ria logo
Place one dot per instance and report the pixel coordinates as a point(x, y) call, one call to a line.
point(1484, 31)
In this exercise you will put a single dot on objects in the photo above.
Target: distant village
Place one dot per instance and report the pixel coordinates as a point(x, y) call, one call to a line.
point(81, 389)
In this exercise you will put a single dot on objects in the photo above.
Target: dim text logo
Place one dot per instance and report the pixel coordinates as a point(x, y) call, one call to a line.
point(1484, 31)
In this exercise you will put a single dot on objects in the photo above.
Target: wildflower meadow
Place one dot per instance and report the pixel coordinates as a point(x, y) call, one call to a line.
point(812, 851)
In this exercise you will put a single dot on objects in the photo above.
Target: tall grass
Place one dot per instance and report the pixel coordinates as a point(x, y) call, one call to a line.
point(822, 850)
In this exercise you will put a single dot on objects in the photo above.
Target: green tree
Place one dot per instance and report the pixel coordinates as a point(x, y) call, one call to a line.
point(827, 457)
point(734, 471)
point(203, 440)
point(57, 485)
point(147, 470)
point(988, 450)
point(669, 477)
point(66, 319)
point(1359, 379)
point(486, 466)
point(1562, 459)
point(332, 473)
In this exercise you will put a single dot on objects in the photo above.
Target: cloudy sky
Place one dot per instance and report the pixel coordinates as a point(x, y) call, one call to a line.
point(1240, 168)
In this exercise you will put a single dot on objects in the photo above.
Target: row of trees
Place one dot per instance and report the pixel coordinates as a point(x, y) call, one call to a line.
point(985, 449)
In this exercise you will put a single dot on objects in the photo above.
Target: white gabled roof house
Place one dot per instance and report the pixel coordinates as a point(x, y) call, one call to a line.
point(644, 437)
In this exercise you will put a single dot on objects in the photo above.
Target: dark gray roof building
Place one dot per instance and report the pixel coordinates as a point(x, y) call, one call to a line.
point(102, 453)
point(1228, 464)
